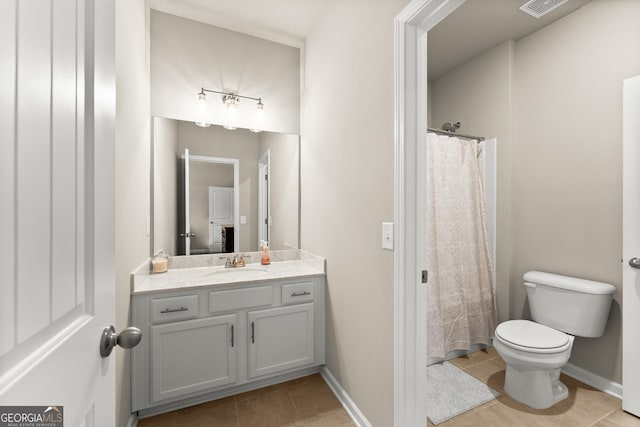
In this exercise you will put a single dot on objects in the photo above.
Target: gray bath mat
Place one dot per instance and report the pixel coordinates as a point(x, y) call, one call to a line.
point(451, 391)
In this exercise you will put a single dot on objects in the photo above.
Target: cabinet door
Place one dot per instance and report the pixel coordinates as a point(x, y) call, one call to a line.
point(192, 356)
point(280, 338)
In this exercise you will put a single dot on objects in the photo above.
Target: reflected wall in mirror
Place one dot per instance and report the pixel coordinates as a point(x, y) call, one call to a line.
point(275, 154)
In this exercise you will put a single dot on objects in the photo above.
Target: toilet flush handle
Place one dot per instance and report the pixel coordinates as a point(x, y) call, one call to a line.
point(634, 262)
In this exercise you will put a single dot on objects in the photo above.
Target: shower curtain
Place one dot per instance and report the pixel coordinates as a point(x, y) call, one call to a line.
point(461, 308)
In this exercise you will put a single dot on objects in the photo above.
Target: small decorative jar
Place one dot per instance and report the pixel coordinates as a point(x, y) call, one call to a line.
point(160, 263)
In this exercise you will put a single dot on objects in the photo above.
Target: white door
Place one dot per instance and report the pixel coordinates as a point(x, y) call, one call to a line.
point(57, 93)
point(631, 247)
point(186, 234)
point(220, 213)
point(264, 211)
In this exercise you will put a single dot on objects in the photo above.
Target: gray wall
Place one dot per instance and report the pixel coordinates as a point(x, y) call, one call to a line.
point(347, 191)
point(132, 174)
point(559, 153)
point(567, 181)
point(165, 184)
point(187, 55)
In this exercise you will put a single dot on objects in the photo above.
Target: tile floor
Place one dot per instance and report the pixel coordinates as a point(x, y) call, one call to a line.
point(584, 407)
point(306, 401)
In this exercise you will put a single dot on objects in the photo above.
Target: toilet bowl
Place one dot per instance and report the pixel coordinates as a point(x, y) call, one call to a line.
point(534, 351)
point(534, 354)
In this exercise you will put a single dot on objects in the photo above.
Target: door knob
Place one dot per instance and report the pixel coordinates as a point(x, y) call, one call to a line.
point(129, 337)
point(634, 262)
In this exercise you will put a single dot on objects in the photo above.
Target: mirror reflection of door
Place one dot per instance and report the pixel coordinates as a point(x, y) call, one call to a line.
point(209, 203)
point(218, 145)
point(184, 234)
point(220, 217)
point(264, 211)
point(209, 210)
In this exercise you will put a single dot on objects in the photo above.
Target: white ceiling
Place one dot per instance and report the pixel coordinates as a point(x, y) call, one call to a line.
point(282, 21)
point(474, 28)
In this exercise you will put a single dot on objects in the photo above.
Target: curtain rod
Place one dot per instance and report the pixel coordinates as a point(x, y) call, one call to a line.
point(444, 132)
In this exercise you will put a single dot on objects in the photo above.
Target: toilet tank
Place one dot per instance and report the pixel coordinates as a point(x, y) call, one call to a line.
point(576, 306)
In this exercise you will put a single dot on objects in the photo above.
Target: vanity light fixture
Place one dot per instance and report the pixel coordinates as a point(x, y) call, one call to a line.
point(231, 101)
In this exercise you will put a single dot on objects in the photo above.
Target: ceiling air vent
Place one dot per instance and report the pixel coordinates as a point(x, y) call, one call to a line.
point(537, 8)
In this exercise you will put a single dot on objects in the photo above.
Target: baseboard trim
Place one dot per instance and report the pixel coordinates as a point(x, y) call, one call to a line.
point(133, 420)
point(349, 405)
point(596, 381)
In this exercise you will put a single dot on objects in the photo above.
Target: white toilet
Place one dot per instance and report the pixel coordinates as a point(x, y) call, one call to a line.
point(562, 307)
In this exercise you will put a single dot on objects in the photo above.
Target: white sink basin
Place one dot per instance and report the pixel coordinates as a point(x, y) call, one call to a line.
point(239, 271)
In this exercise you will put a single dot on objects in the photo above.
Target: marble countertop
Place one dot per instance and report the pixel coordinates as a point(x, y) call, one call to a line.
point(196, 277)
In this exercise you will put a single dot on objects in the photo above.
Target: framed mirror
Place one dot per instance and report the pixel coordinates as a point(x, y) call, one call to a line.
point(220, 191)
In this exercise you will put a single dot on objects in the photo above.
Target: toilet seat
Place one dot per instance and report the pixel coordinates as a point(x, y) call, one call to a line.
point(531, 337)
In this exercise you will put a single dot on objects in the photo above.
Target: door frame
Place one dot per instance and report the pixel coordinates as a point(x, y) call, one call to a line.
point(264, 198)
point(236, 190)
point(410, 114)
point(630, 246)
point(49, 357)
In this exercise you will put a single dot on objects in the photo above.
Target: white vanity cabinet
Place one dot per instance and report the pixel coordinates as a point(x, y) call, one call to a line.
point(193, 355)
point(207, 342)
point(281, 338)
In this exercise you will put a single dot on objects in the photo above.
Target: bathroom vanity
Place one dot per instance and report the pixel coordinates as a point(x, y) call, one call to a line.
point(210, 332)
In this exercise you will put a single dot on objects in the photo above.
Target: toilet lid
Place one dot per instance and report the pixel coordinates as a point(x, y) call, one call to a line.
point(525, 333)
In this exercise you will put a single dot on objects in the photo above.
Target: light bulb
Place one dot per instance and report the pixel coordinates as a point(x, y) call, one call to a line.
point(230, 102)
point(259, 117)
point(202, 110)
point(202, 100)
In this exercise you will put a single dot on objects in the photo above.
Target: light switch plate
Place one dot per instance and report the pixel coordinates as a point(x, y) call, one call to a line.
point(243, 219)
point(387, 235)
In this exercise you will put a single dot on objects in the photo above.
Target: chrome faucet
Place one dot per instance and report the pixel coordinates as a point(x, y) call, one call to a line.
point(227, 263)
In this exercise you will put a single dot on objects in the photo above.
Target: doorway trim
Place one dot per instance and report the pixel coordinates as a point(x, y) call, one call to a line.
point(410, 114)
point(264, 199)
point(236, 190)
point(630, 245)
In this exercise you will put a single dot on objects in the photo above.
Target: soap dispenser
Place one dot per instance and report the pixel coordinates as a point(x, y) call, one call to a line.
point(266, 259)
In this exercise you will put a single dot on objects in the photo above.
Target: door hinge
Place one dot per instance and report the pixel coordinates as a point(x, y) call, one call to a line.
point(425, 276)
point(266, 177)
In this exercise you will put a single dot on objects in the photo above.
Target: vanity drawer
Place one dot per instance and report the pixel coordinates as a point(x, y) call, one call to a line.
point(297, 293)
point(236, 299)
point(174, 308)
